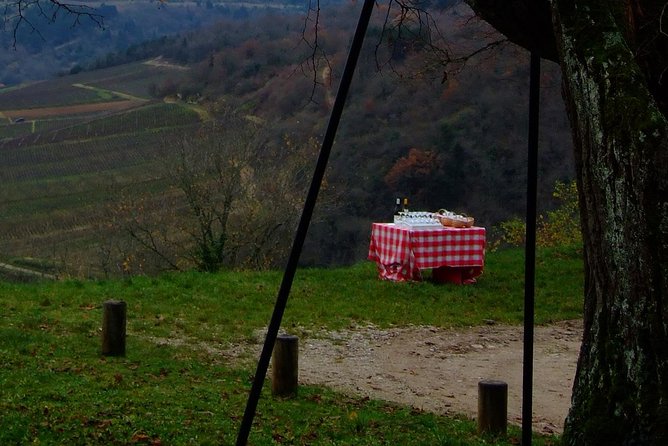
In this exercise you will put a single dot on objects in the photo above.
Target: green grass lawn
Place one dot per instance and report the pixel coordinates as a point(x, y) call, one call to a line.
point(56, 388)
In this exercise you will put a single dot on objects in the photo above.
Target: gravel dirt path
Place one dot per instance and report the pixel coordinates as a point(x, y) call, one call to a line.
point(438, 370)
point(433, 369)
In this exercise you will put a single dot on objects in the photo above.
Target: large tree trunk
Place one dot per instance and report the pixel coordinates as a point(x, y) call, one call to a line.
point(614, 59)
point(620, 395)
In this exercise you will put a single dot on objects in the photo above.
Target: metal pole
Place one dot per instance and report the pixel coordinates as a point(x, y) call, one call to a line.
point(309, 205)
point(530, 248)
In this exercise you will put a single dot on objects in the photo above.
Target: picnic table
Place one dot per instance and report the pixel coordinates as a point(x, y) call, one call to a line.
point(401, 252)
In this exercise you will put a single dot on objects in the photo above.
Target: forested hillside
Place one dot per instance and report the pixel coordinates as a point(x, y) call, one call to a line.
point(444, 136)
point(457, 142)
point(39, 47)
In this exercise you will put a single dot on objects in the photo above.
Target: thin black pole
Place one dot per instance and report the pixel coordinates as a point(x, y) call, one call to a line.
point(304, 222)
point(530, 248)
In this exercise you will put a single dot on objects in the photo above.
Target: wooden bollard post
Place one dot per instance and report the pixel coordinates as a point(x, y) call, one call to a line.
point(492, 407)
point(285, 366)
point(113, 328)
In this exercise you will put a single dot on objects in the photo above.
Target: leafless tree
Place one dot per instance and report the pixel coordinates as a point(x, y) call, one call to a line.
point(235, 199)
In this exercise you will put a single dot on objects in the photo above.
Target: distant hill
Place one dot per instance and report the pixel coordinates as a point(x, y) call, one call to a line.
point(70, 147)
point(62, 46)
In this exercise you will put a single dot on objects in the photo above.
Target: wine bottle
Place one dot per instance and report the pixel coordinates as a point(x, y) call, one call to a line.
point(397, 210)
point(405, 205)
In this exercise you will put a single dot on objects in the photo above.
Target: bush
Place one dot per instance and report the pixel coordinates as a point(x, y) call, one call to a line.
point(560, 227)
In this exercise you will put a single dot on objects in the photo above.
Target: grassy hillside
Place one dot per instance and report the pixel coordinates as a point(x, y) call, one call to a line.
point(176, 387)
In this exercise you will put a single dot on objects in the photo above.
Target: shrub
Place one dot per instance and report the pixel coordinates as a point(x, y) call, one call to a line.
point(560, 227)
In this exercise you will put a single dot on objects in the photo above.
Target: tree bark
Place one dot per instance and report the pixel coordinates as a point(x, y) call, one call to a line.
point(620, 394)
point(615, 75)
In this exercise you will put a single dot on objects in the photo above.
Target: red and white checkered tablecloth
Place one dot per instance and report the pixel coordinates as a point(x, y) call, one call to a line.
point(401, 252)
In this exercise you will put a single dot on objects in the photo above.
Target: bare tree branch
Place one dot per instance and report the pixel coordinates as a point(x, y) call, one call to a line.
point(415, 25)
point(408, 26)
point(145, 238)
point(17, 15)
point(317, 54)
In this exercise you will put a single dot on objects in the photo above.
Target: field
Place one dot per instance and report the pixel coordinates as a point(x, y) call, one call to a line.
point(181, 383)
point(70, 146)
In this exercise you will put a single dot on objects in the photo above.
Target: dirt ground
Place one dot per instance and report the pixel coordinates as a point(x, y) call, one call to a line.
point(434, 369)
point(438, 370)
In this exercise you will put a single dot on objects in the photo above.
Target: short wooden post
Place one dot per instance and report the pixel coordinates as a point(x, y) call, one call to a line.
point(285, 366)
point(113, 328)
point(492, 407)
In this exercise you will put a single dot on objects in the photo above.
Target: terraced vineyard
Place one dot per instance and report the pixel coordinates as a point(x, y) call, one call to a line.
point(62, 171)
point(132, 79)
point(139, 119)
point(59, 92)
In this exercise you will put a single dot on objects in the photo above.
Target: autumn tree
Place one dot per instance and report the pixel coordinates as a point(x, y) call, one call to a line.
point(407, 175)
point(614, 60)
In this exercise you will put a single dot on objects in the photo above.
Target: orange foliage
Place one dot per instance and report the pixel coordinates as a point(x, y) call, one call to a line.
point(418, 164)
point(450, 88)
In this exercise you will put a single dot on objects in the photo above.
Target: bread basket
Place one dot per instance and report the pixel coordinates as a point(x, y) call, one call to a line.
point(451, 220)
